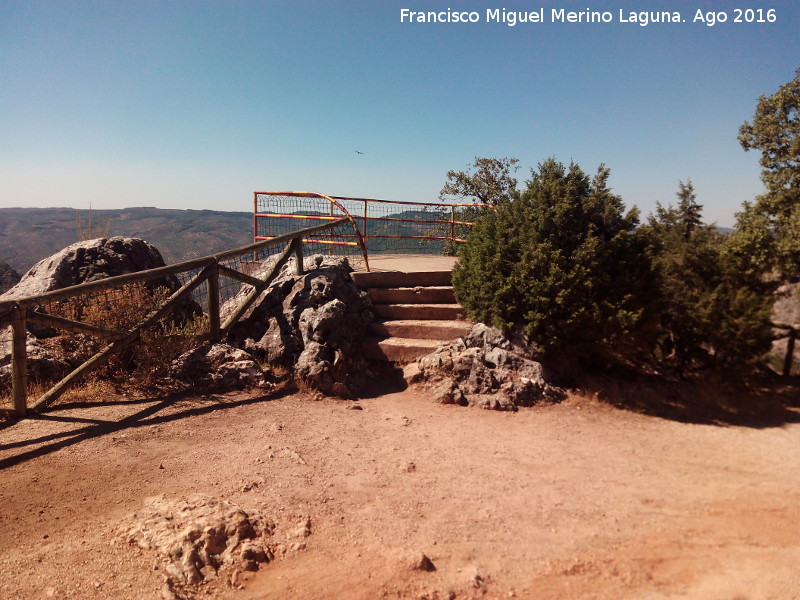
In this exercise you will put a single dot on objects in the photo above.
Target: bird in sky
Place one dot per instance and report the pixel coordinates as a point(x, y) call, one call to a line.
point(357, 152)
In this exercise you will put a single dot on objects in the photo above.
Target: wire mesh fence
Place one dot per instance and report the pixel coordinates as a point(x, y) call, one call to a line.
point(276, 213)
point(384, 226)
point(132, 327)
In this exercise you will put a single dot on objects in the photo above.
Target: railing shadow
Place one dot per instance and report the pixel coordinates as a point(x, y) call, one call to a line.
point(95, 428)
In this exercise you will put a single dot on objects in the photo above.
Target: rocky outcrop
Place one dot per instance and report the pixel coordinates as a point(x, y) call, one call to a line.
point(46, 361)
point(202, 539)
point(485, 369)
point(91, 260)
point(312, 324)
point(8, 277)
point(52, 355)
point(219, 367)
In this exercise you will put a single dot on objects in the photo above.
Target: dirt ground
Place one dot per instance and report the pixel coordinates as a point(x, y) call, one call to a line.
point(571, 501)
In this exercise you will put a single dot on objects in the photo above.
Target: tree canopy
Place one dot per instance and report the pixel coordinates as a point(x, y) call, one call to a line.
point(487, 181)
point(562, 261)
point(768, 230)
point(708, 313)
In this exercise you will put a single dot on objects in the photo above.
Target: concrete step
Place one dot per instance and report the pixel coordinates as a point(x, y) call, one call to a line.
point(398, 279)
point(413, 295)
point(427, 330)
point(398, 350)
point(419, 312)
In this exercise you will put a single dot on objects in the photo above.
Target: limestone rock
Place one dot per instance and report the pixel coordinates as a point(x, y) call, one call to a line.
point(488, 370)
point(312, 324)
point(220, 367)
point(46, 362)
point(198, 536)
point(91, 260)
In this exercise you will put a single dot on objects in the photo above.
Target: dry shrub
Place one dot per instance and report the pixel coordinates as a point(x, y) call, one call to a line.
point(146, 363)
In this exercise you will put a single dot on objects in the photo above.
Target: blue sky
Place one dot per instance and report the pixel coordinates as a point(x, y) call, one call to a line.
point(196, 104)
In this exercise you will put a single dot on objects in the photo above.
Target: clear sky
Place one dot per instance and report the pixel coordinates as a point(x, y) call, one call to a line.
point(196, 104)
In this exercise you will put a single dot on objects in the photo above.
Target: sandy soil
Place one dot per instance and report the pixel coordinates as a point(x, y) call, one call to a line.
point(577, 500)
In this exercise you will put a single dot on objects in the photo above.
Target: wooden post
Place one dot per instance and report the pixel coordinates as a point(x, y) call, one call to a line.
point(19, 362)
point(298, 255)
point(787, 362)
point(212, 287)
point(453, 225)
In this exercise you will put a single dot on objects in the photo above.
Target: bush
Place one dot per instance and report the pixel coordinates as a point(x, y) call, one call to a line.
point(712, 313)
point(562, 261)
point(147, 362)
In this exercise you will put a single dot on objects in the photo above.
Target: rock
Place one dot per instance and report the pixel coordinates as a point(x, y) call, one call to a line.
point(311, 324)
point(87, 261)
point(488, 370)
point(477, 577)
point(219, 367)
point(418, 561)
point(46, 362)
point(8, 277)
point(50, 355)
point(198, 536)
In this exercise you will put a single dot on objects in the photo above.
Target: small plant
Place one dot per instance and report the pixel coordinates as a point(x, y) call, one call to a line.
point(90, 229)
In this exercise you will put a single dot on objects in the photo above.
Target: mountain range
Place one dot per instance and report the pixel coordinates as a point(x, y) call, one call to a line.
point(28, 235)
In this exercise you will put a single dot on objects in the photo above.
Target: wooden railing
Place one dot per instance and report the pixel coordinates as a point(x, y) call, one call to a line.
point(239, 266)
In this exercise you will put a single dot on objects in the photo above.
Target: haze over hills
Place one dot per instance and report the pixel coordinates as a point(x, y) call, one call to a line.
point(28, 235)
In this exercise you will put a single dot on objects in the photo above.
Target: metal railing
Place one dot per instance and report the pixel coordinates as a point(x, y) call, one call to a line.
point(214, 291)
point(379, 225)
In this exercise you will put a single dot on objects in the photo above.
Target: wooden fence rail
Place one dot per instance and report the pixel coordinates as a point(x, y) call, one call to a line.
point(19, 313)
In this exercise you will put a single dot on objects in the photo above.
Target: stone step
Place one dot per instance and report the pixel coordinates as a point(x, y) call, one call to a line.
point(413, 295)
point(419, 312)
point(427, 330)
point(398, 279)
point(398, 350)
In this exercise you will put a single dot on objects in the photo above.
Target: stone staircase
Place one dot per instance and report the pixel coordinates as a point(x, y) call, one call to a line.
point(416, 312)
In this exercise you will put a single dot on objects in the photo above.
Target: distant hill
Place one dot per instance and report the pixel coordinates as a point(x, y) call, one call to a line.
point(28, 235)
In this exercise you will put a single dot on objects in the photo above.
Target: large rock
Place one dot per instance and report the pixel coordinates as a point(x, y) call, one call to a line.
point(486, 369)
point(8, 277)
point(46, 360)
point(52, 355)
point(219, 367)
point(199, 537)
point(91, 260)
point(312, 324)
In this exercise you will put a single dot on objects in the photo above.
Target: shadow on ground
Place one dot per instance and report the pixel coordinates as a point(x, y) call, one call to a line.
point(769, 401)
point(147, 412)
point(388, 379)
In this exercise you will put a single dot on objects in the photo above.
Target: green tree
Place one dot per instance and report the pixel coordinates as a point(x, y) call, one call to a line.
point(709, 314)
point(769, 228)
point(563, 261)
point(487, 181)
point(491, 182)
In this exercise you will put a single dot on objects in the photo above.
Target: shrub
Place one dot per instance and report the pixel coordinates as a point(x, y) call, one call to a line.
point(562, 261)
point(147, 362)
point(711, 313)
